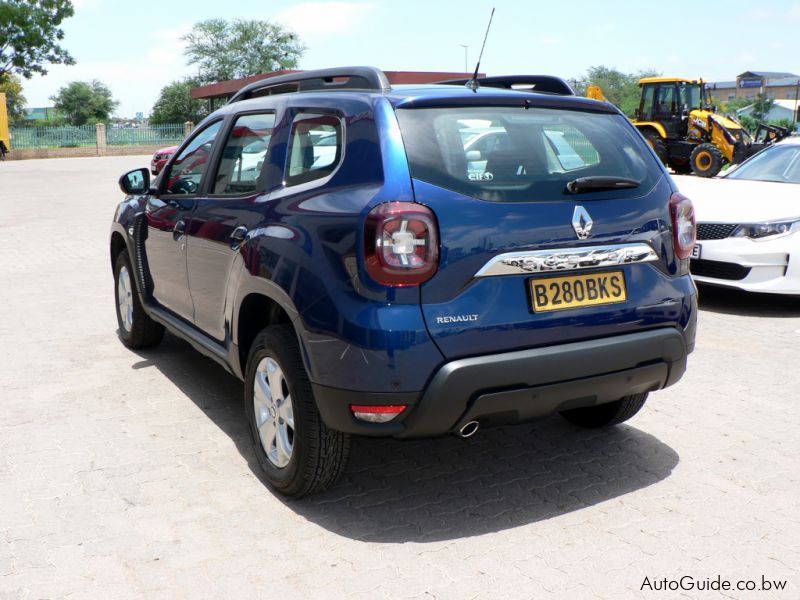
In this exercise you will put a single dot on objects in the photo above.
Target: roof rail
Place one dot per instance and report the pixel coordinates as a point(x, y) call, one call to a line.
point(542, 84)
point(339, 78)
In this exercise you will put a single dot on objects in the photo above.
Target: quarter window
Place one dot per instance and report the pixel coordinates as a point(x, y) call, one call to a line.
point(244, 155)
point(315, 148)
point(186, 171)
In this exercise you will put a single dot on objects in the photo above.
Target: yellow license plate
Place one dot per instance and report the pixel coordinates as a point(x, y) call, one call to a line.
point(574, 291)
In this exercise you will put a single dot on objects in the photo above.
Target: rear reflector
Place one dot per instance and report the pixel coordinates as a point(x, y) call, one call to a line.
point(377, 414)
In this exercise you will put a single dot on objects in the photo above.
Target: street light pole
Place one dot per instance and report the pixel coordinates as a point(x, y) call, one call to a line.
point(466, 62)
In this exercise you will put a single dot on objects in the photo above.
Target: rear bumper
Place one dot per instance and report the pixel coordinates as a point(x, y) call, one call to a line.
point(516, 386)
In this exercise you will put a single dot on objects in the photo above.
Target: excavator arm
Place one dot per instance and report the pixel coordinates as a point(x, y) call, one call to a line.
point(723, 139)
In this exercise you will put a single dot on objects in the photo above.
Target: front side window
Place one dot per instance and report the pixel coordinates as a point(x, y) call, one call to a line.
point(186, 171)
point(666, 102)
point(512, 154)
point(244, 155)
point(315, 148)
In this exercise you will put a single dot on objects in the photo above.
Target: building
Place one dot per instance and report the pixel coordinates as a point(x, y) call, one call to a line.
point(781, 110)
point(776, 85)
point(45, 113)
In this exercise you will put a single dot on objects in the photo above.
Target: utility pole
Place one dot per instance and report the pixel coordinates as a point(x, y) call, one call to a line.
point(796, 101)
point(466, 62)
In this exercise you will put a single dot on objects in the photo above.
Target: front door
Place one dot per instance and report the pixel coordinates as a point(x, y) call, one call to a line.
point(232, 204)
point(667, 109)
point(168, 216)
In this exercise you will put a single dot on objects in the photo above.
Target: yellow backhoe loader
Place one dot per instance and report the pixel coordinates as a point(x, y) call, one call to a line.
point(677, 119)
point(5, 138)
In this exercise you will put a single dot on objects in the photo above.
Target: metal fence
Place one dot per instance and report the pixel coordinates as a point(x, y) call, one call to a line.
point(152, 135)
point(86, 135)
point(53, 137)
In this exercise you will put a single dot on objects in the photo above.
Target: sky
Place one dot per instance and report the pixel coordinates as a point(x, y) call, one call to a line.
point(135, 47)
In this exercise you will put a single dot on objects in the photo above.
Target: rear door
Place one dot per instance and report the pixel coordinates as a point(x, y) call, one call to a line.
point(523, 261)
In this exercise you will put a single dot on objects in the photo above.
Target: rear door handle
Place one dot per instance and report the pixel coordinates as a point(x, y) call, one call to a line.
point(178, 230)
point(238, 236)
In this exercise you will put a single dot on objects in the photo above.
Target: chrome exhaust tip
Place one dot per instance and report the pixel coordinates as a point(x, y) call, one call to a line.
point(469, 429)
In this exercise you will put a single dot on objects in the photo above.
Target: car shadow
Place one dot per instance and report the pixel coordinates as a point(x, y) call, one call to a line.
point(444, 488)
point(731, 301)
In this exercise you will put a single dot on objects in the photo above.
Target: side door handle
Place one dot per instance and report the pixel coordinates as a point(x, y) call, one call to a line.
point(178, 230)
point(238, 236)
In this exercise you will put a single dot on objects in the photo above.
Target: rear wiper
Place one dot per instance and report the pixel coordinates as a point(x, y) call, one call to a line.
point(600, 182)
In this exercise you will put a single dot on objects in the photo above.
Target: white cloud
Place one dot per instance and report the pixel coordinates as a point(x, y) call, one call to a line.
point(325, 19)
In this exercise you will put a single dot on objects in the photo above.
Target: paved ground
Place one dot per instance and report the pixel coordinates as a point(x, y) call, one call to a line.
point(129, 474)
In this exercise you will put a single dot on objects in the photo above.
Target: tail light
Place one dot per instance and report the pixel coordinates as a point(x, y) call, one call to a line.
point(401, 244)
point(683, 225)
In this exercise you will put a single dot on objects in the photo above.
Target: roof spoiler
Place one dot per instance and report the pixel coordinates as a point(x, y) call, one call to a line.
point(340, 78)
point(541, 84)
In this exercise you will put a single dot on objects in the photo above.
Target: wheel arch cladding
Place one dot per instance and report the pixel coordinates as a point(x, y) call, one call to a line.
point(117, 245)
point(256, 312)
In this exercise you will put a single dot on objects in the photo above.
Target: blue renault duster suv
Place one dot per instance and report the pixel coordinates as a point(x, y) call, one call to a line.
point(411, 261)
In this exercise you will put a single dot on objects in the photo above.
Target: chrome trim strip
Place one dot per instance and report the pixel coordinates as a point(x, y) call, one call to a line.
point(567, 259)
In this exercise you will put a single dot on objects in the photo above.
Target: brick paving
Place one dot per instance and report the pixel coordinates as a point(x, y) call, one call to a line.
point(130, 474)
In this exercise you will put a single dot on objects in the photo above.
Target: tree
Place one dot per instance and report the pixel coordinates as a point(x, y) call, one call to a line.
point(175, 104)
point(621, 89)
point(761, 107)
point(225, 50)
point(15, 101)
point(731, 107)
point(748, 122)
point(29, 35)
point(82, 102)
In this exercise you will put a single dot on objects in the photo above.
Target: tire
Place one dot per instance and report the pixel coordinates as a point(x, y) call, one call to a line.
point(706, 160)
point(136, 329)
point(298, 454)
point(606, 415)
point(658, 145)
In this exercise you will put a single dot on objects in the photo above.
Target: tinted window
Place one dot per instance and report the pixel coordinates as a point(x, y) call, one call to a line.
point(690, 95)
point(507, 154)
point(777, 163)
point(244, 155)
point(666, 102)
point(315, 148)
point(186, 172)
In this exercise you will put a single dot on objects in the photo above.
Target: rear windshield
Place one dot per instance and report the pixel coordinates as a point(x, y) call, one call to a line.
point(513, 154)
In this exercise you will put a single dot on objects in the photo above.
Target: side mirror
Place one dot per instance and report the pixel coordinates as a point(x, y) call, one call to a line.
point(135, 183)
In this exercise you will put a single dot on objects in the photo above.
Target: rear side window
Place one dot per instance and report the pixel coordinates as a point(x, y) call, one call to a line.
point(244, 155)
point(510, 154)
point(315, 148)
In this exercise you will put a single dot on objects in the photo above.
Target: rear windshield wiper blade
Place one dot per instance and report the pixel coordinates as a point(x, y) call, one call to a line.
point(600, 182)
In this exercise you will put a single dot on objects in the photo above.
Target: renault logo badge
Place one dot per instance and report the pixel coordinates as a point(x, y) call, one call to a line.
point(582, 223)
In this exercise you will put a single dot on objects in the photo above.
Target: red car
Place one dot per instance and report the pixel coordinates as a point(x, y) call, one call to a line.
point(160, 158)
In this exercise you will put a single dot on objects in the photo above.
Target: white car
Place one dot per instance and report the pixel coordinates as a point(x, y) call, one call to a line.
point(748, 222)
